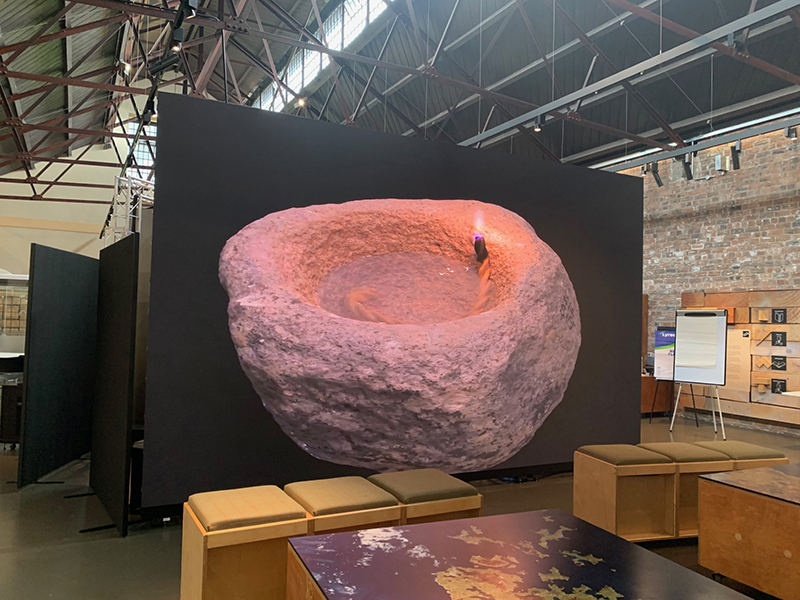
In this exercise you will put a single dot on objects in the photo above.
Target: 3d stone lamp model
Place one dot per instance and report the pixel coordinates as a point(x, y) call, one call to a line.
point(393, 334)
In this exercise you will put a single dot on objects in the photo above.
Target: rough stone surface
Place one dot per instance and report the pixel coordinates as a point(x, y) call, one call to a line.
point(461, 395)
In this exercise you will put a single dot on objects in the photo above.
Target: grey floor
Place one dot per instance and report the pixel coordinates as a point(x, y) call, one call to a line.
point(43, 555)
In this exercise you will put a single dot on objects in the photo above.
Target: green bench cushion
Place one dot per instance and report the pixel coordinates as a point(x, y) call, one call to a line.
point(228, 509)
point(681, 452)
point(741, 450)
point(624, 454)
point(339, 495)
point(423, 485)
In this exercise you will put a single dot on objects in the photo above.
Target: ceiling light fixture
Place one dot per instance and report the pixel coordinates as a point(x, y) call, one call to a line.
point(791, 133)
point(686, 163)
point(162, 65)
point(537, 124)
point(653, 168)
point(736, 150)
point(177, 39)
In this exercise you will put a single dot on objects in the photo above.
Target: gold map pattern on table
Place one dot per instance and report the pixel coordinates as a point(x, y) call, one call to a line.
point(502, 577)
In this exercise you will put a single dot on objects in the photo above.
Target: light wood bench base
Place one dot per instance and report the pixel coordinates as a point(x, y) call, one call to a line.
point(635, 502)
point(372, 518)
point(442, 510)
point(246, 563)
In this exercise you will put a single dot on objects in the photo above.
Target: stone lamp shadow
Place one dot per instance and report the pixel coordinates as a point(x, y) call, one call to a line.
point(357, 326)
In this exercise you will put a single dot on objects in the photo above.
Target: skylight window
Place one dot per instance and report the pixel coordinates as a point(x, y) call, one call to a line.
point(142, 154)
point(341, 29)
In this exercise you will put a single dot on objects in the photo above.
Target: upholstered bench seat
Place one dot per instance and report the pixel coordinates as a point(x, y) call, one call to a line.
point(744, 455)
point(227, 509)
point(682, 452)
point(345, 503)
point(624, 454)
point(430, 495)
point(235, 543)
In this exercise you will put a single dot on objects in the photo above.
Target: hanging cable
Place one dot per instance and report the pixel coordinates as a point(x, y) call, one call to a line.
point(553, 70)
point(711, 112)
point(480, 62)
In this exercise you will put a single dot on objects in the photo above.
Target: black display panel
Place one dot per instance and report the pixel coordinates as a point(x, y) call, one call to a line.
point(112, 418)
point(59, 361)
point(222, 167)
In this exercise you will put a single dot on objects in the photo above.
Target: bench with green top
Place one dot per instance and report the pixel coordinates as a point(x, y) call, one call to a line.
point(649, 491)
point(344, 504)
point(235, 543)
point(427, 495)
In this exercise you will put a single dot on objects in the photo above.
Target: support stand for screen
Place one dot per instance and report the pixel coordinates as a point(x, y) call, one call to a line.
point(713, 413)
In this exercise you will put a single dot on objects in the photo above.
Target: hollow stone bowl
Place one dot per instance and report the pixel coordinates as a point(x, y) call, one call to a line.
point(461, 395)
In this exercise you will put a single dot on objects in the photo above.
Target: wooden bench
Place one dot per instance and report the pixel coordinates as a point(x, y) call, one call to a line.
point(235, 543)
point(428, 495)
point(690, 461)
point(627, 490)
point(344, 504)
point(650, 491)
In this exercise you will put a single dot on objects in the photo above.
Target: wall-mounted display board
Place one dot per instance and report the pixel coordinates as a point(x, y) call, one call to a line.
point(737, 360)
point(59, 361)
point(112, 417)
point(207, 428)
point(700, 344)
point(763, 357)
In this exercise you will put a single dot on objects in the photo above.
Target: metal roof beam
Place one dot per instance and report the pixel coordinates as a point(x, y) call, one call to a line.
point(45, 88)
point(709, 143)
point(67, 161)
point(664, 58)
point(529, 69)
point(99, 44)
point(63, 81)
point(38, 35)
point(744, 57)
point(64, 32)
point(768, 29)
point(264, 67)
point(99, 186)
point(777, 97)
point(635, 94)
point(38, 198)
point(72, 130)
point(374, 69)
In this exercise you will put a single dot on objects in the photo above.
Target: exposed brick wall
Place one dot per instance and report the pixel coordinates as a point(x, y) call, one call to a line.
point(733, 231)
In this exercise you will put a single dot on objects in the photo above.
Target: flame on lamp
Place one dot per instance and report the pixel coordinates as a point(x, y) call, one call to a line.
point(478, 225)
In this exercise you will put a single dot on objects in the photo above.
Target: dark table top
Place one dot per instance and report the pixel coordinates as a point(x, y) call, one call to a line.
point(782, 482)
point(549, 555)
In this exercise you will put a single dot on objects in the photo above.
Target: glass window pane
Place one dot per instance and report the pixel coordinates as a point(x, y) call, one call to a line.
point(355, 19)
point(294, 73)
point(376, 7)
point(333, 29)
point(311, 65)
point(141, 153)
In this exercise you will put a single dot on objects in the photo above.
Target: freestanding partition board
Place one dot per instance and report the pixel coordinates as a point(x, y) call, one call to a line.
point(112, 417)
point(701, 338)
point(59, 361)
point(222, 167)
point(700, 341)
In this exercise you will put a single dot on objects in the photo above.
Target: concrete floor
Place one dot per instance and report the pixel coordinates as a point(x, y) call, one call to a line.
point(43, 555)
